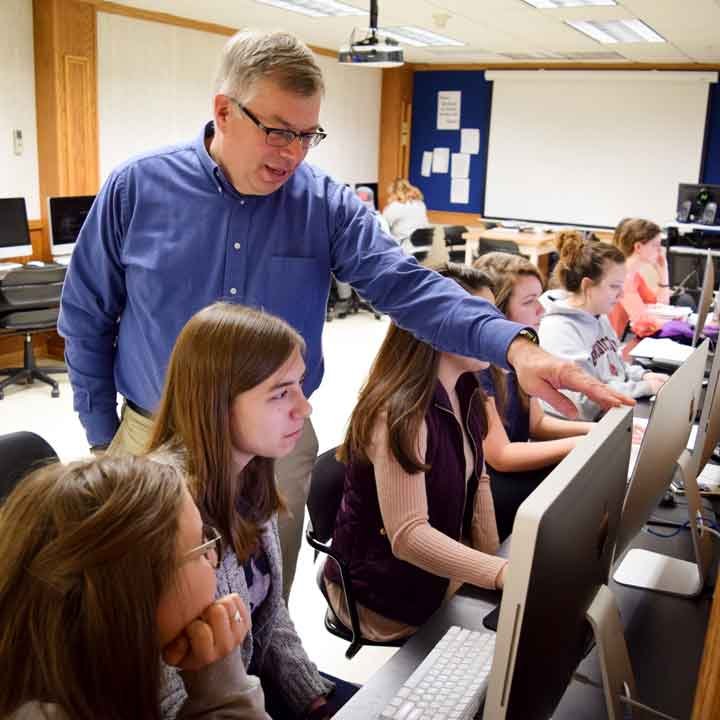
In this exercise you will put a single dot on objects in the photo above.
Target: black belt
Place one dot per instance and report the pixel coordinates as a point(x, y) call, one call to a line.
point(136, 408)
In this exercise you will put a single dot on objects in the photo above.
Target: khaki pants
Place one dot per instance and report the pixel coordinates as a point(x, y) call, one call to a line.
point(293, 479)
point(133, 434)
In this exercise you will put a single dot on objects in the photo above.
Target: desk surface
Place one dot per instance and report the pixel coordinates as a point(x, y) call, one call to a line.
point(536, 240)
point(664, 634)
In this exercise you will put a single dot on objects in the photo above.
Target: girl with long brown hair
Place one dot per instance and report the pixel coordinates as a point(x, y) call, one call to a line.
point(104, 565)
point(516, 466)
point(232, 403)
point(576, 326)
point(416, 518)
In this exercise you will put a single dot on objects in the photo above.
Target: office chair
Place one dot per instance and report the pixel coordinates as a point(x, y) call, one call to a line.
point(454, 239)
point(21, 452)
point(420, 242)
point(326, 491)
point(29, 303)
point(507, 246)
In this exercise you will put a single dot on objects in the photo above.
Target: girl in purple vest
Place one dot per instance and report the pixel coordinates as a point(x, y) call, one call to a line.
point(416, 519)
point(516, 466)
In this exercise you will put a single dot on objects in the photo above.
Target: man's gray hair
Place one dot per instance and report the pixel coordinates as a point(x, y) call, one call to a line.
point(250, 56)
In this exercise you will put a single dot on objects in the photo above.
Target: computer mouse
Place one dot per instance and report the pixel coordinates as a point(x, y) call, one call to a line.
point(35, 263)
point(667, 500)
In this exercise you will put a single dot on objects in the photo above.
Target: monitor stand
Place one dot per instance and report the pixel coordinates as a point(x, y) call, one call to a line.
point(617, 675)
point(653, 571)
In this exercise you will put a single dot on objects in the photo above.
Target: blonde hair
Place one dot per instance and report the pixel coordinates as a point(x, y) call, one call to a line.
point(400, 190)
point(250, 56)
point(505, 269)
point(634, 230)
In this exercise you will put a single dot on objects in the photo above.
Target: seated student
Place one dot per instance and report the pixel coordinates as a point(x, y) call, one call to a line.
point(416, 519)
point(646, 281)
point(405, 211)
point(575, 326)
point(516, 466)
point(105, 564)
point(232, 402)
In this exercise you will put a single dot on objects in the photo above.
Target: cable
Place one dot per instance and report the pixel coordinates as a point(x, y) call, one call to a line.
point(626, 699)
point(709, 529)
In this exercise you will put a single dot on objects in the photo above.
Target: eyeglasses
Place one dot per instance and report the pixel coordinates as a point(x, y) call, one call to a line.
point(279, 137)
point(211, 548)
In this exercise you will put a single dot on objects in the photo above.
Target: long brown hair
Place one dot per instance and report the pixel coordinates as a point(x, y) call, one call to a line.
point(505, 269)
point(223, 350)
point(581, 259)
point(634, 230)
point(401, 384)
point(86, 551)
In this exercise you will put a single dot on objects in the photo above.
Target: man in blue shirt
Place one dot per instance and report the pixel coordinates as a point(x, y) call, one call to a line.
point(238, 215)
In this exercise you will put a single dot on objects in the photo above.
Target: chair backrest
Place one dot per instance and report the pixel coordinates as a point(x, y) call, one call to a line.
point(506, 246)
point(454, 235)
point(326, 491)
point(32, 288)
point(20, 453)
point(422, 237)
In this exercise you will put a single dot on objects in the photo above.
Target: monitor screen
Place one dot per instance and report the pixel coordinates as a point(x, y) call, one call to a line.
point(14, 232)
point(699, 204)
point(560, 554)
point(67, 215)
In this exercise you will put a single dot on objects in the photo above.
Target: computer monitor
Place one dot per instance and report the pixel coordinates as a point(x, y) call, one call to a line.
point(14, 231)
point(662, 451)
point(699, 204)
point(67, 215)
point(706, 296)
point(560, 554)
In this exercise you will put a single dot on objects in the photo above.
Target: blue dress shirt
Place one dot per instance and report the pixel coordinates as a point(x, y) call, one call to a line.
point(168, 234)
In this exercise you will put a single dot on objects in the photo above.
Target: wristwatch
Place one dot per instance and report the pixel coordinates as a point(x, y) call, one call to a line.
point(529, 334)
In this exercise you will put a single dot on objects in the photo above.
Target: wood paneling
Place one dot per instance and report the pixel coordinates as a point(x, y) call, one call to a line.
point(395, 127)
point(66, 101)
point(707, 693)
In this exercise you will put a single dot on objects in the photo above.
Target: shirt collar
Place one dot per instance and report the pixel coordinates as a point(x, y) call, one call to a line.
point(213, 170)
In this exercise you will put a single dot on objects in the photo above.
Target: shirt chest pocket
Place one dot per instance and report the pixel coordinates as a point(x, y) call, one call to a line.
point(297, 290)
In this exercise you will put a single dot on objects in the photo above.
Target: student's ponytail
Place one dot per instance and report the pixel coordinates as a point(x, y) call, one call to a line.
point(580, 258)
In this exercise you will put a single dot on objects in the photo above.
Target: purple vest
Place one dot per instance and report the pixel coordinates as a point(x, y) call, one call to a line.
point(382, 582)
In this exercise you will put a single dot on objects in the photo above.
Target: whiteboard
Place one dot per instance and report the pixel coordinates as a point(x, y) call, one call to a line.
point(592, 147)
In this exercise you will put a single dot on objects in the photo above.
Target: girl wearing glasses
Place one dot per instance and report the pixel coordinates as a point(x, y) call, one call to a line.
point(104, 566)
point(232, 402)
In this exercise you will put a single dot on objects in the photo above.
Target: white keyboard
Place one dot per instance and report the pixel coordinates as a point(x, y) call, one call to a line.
point(451, 681)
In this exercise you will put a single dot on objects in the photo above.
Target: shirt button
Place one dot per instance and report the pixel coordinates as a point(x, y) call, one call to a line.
point(236, 246)
point(233, 291)
point(242, 202)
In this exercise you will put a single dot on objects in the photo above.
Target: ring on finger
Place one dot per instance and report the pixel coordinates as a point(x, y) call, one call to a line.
point(237, 617)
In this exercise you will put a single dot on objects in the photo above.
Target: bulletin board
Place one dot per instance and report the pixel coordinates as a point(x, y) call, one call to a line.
point(711, 159)
point(450, 126)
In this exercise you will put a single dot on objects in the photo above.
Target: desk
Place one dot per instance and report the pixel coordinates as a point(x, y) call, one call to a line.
point(664, 635)
point(534, 245)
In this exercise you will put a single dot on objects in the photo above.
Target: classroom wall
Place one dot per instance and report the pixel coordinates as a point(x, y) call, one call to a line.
point(18, 173)
point(155, 86)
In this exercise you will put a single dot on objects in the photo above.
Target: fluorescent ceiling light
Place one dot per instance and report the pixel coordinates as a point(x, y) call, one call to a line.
point(540, 55)
point(617, 31)
point(411, 35)
point(553, 4)
point(315, 8)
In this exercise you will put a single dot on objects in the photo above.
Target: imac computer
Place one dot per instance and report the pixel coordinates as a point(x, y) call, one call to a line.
point(662, 452)
point(14, 232)
point(555, 598)
point(67, 215)
point(706, 296)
